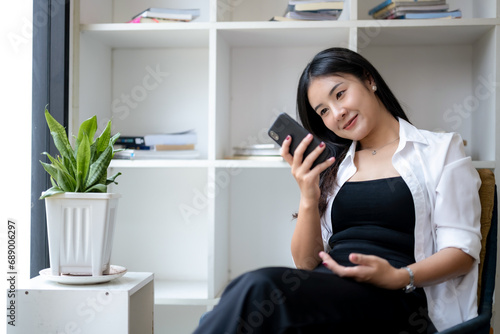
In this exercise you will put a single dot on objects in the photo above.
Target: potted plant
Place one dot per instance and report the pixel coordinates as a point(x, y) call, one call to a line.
point(80, 212)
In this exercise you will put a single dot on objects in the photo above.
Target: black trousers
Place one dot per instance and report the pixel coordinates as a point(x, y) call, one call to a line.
point(279, 300)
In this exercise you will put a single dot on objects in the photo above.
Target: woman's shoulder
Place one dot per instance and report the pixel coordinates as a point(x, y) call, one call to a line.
point(439, 136)
point(428, 137)
point(443, 147)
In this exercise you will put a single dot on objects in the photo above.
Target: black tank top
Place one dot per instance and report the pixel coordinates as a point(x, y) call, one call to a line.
point(375, 217)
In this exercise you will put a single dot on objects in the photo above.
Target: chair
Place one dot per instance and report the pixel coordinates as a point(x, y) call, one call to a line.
point(487, 268)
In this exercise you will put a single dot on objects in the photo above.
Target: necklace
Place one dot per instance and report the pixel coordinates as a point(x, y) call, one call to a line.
point(381, 147)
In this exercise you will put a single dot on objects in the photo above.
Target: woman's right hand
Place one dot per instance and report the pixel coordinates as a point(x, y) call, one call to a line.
point(307, 178)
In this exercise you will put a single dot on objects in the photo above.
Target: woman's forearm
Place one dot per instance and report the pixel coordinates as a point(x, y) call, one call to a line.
point(443, 265)
point(306, 239)
point(446, 264)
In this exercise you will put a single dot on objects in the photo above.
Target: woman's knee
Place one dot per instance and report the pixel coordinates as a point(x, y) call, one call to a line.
point(283, 279)
point(269, 276)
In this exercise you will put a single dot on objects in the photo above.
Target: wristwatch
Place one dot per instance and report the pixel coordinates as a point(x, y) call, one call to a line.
point(411, 286)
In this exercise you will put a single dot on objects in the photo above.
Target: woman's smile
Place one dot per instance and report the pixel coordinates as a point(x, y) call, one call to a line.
point(350, 124)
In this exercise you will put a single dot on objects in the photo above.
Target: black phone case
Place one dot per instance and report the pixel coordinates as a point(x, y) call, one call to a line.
point(285, 125)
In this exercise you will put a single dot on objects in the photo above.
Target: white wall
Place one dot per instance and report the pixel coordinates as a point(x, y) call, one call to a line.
point(15, 134)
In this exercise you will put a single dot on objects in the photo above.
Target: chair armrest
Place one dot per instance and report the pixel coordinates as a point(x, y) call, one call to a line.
point(479, 324)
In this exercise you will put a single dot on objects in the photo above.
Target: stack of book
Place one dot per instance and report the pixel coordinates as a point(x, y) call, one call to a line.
point(311, 10)
point(263, 152)
point(179, 145)
point(413, 9)
point(165, 15)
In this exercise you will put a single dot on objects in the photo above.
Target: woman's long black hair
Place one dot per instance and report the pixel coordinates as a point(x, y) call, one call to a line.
point(338, 61)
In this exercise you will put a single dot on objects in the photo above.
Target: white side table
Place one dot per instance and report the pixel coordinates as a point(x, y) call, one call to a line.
point(122, 306)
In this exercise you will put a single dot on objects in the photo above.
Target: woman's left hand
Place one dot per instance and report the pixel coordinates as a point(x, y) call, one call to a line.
point(369, 269)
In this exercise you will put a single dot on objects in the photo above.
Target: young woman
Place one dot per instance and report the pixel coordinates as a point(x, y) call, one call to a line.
point(387, 236)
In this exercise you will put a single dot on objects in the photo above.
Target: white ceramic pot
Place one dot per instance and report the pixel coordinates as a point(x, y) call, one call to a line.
point(80, 228)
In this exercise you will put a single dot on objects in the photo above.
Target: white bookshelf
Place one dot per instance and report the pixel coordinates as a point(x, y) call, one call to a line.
point(197, 224)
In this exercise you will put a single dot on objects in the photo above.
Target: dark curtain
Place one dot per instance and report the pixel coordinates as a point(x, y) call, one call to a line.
point(50, 88)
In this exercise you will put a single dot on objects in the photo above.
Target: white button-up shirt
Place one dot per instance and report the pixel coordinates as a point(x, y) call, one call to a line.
point(444, 185)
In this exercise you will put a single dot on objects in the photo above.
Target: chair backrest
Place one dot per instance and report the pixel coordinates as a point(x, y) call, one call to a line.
point(487, 195)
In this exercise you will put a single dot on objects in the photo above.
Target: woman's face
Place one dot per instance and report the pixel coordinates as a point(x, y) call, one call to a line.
point(347, 106)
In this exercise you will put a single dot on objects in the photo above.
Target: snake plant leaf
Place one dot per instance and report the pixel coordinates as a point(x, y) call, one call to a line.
point(114, 138)
point(103, 139)
point(50, 169)
point(111, 179)
point(93, 152)
point(118, 150)
point(53, 182)
point(82, 163)
point(59, 172)
point(56, 162)
point(68, 179)
point(69, 167)
point(103, 178)
point(100, 167)
point(93, 156)
point(61, 165)
point(97, 188)
point(64, 181)
point(59, 135)
point(88, 127)
point(51, 158)
point(52, 191)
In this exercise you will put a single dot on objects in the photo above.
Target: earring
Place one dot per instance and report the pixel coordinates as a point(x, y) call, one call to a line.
point(374, 88)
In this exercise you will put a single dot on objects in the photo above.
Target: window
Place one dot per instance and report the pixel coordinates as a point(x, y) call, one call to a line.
point(51, 46)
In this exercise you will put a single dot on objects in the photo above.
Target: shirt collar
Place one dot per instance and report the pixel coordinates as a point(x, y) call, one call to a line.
point(407, 133)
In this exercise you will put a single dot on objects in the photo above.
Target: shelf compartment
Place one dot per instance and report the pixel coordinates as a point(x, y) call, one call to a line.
point(162, 222)
point(111, 11)
point(470, 9)
point(255, 10)
point(133, 86)
point(261, 238)
point(264, 64)
point(452, 89)
point(177, 318)
point(161, 91)
point(182, 292)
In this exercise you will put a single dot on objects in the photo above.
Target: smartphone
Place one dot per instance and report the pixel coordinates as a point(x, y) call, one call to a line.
point(285, 125)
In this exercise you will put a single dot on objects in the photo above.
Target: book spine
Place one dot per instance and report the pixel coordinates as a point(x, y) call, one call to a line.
point(139, 147)
point(379, 7)
point(319, 7)
point(384, 11)
point(454, 14)
point(174, 147)
point(130, 140)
